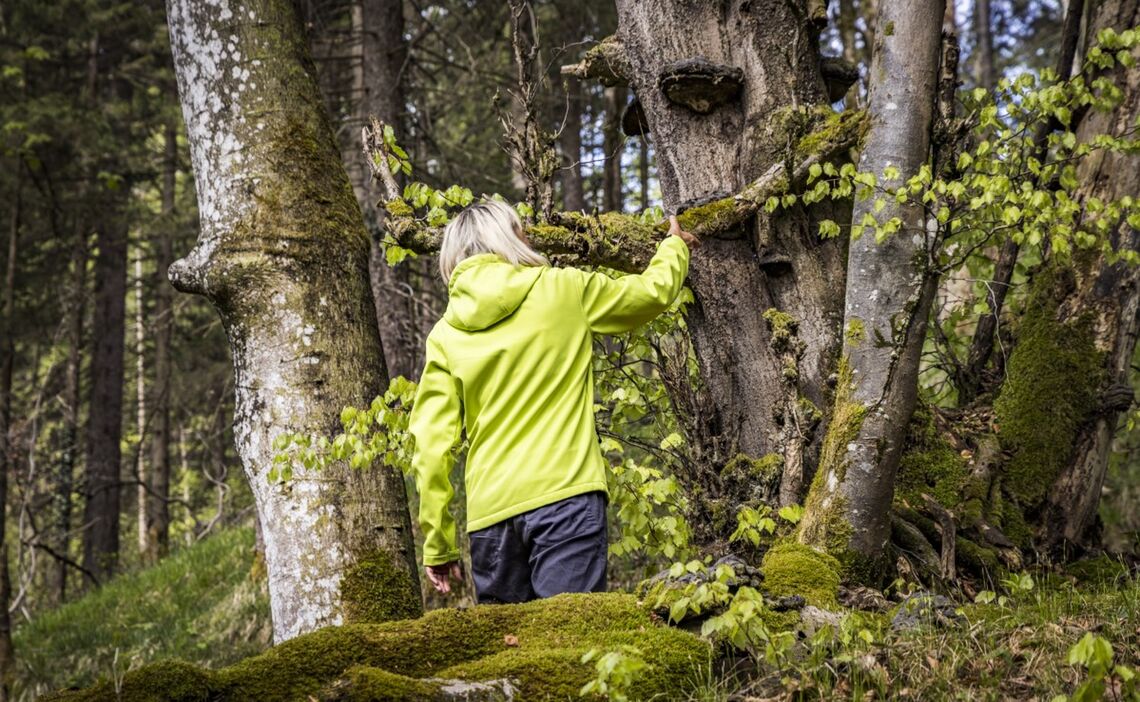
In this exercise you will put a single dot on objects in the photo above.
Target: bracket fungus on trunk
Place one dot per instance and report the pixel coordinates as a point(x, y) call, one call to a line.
point(699, 84)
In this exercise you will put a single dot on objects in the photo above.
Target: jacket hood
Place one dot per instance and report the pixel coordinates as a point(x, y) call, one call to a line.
point(484, 289)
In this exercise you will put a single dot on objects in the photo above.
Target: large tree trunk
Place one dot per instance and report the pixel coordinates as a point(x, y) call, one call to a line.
point(776, 261)
point(889, 292)
point(283, 256)
point(158, 512)
point(104, 426)
point(1092, 318)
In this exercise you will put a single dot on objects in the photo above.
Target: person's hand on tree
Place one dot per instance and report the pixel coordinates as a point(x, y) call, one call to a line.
point(441, 575)
point(675, 230)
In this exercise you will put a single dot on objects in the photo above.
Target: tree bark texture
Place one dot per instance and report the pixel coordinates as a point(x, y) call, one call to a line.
point(158, 512)
point(283, 256)
point(103, 486)
point(613, 143)
point(888, 298)
point(1097, 300)
point(142, 490)
point(570, 143)
point(7, 364)
point(768, 261)
point(985, 75)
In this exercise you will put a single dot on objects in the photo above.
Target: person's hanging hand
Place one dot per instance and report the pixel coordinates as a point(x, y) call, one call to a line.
point(675, 230)
point(441, 575)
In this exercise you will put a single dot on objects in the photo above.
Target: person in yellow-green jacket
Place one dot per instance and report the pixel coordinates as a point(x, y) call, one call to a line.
point(510, 362)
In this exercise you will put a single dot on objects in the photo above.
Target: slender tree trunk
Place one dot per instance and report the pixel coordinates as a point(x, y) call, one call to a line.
point(142, 490)
point(970, 381)
point(889, 293)
point(104, 426)
point(65, 471)
point(643, 170)
point(384, 55)
point(283, 256)
point(7, 464)
point(613, 143)
point(847, 33)
point(570, 141)
point(985, 75)
point(158, 512)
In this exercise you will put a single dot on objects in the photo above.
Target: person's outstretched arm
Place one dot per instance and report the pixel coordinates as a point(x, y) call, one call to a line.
point(615, 305)
point(436, 423)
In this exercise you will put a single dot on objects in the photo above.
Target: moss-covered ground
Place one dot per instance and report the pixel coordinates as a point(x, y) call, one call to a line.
point(538, 644)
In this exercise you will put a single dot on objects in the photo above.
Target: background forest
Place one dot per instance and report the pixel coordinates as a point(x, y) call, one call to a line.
point(130, 532)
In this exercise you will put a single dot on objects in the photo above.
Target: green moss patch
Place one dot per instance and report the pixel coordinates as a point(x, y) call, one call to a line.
point(538, 644)
point(796, 569)
point(1051, 389)
point(374, 590)
point(825, 523)
point(930, 465)
point(1100, 570)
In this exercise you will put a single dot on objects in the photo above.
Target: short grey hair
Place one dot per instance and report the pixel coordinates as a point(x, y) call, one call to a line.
point(489, 226)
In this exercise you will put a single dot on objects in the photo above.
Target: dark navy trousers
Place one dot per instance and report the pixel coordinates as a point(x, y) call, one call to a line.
point(556, 548)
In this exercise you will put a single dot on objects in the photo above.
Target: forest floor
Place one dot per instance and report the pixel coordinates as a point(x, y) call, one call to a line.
point(1048, 638)
point(1041, 637)
point(202, 604)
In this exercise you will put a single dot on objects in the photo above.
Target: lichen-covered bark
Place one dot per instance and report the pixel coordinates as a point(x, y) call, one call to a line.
point(283, 256)
point(888, 297)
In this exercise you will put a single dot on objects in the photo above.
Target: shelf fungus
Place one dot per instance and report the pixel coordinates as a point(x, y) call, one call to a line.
point(700, 85)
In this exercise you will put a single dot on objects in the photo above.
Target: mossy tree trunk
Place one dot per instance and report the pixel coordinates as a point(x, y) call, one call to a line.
point(283, 257)
point(890, 288)
point(1061, 428)
point(767, 261)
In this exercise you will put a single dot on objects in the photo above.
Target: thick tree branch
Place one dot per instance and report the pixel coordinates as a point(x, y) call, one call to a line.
point(621, 241)
point(606, 63)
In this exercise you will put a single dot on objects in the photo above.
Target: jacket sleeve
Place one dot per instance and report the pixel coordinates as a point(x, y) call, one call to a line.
point(436, 422)
point(615, 305)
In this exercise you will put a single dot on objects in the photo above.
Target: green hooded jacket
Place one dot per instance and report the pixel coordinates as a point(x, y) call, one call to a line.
point(511, 361)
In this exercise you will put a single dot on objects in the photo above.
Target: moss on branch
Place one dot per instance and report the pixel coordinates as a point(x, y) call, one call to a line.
point(625, 243)
point(605, 62)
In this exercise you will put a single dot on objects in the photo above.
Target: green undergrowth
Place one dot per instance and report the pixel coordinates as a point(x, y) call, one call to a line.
point(1056, 638)
point(201, 604)
point(538, 644)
